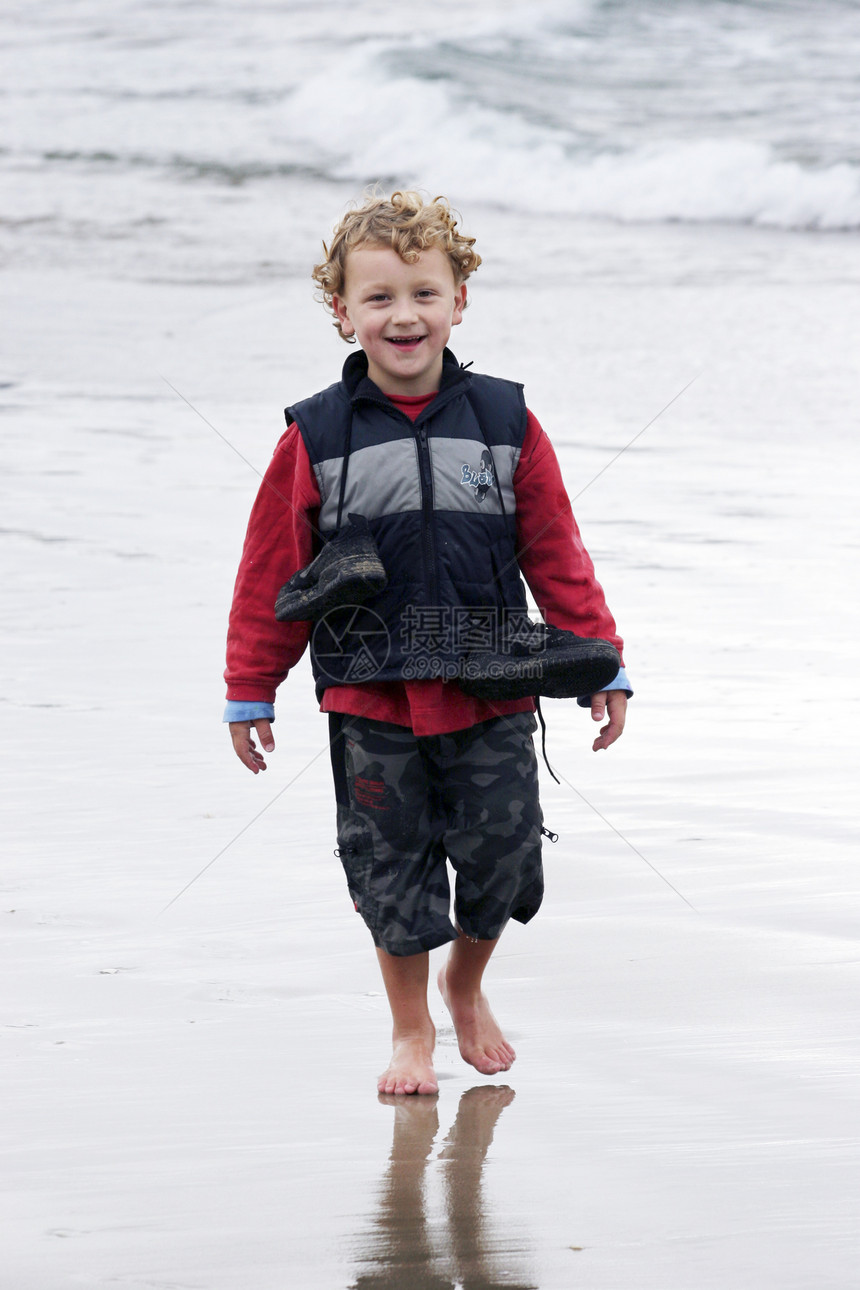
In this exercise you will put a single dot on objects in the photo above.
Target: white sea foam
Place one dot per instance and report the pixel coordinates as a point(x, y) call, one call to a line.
point(498, 157)
point(172, 141)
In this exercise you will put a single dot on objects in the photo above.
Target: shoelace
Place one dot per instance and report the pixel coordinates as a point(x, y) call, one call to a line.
point(543, 741)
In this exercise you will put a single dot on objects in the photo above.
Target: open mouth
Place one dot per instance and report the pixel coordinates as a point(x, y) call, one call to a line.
point(405, 342)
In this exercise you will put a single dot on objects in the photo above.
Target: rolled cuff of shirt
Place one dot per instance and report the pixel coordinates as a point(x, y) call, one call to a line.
point(620, 683)
point(240, 710)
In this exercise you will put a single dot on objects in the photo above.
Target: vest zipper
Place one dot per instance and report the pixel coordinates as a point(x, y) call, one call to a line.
point(428, 546)
point(425, 479)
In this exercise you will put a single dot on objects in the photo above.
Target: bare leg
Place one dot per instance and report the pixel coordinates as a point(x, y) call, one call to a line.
point(413, 1034)
point(481, 1041)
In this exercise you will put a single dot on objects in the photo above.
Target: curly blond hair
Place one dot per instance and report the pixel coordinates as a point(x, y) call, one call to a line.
point(404, 221)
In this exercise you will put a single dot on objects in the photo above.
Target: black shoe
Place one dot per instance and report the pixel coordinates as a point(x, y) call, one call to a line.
point(533, 659)
point(347, 571)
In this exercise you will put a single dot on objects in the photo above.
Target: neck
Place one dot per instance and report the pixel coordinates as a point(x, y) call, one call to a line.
point(428, 383)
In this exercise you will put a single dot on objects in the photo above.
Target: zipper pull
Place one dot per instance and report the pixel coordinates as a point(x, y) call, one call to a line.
point(553, 837)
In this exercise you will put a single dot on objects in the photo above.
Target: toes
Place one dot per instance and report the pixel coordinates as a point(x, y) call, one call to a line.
point(490, 1061)
point(394, 1085)
point(487, 1064)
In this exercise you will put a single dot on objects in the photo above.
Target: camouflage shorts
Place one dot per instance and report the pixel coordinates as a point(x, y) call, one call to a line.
point(407, 803)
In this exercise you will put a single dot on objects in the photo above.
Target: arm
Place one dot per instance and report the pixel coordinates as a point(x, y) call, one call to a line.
point(559, 570)
point(260, 650)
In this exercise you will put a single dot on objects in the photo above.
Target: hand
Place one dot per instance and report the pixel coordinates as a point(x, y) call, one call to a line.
point(615, 703)
point(244, 746)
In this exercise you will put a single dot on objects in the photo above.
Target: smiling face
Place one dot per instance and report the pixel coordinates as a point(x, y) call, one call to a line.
point(401, 314)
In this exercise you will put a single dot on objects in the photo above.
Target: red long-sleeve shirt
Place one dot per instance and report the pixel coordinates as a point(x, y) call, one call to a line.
point(261, 651)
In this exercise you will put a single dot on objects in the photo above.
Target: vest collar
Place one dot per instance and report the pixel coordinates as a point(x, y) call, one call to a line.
point(359, 386)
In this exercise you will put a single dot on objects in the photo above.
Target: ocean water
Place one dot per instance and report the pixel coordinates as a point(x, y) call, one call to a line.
point(203, 141)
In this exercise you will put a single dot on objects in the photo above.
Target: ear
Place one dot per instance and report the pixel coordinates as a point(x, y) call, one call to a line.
point(459, 304)
point(340, 312)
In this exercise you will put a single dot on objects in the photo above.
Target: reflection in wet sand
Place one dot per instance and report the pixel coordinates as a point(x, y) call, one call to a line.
point(404, 1249)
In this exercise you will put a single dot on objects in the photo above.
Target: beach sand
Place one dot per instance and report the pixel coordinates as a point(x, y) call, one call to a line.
point(188, 1093)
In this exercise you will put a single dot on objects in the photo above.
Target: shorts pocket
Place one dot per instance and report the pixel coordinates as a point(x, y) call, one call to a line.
point(355, 851)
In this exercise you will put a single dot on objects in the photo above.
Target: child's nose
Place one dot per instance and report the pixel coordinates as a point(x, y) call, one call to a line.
point(404, 311)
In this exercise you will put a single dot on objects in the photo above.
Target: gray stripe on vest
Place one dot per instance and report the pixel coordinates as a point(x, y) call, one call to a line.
point(464, 479)
point(384, 480)
point(380, 480)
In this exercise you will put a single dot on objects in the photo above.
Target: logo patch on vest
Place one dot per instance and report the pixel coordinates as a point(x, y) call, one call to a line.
point(482, 479)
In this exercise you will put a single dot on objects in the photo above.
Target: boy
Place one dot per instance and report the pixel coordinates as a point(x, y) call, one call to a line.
point(463, 493)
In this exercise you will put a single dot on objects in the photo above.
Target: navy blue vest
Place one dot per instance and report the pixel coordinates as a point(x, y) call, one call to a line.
point(439, 496)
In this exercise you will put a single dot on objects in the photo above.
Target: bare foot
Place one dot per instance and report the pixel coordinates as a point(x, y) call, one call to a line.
point(479, 1035)
point(411, 1068)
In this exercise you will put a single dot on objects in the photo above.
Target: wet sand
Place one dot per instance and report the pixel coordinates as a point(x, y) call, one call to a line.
point(188, 1096)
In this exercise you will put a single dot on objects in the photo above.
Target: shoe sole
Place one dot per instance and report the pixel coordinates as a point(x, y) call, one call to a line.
point(332, 591)
point(572, 678)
